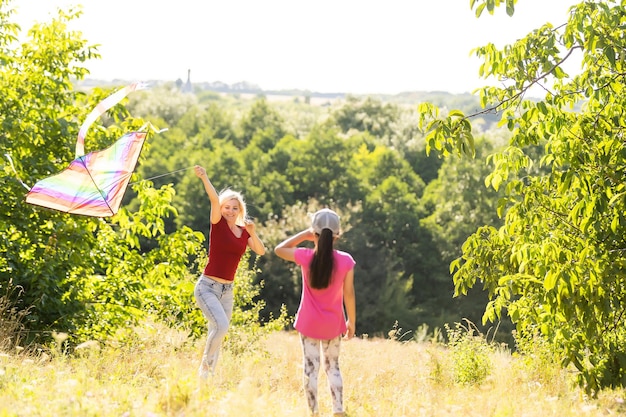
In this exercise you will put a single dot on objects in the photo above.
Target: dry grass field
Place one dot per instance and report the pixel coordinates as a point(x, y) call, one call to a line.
point(156, 376)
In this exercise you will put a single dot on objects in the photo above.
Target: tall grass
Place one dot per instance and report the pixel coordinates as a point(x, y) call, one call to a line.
point(11, 327)
point(154, 374)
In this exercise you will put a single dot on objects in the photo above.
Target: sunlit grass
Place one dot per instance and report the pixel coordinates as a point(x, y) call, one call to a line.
point(156, 375)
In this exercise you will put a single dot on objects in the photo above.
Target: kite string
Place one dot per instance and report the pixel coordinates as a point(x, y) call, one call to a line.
point(162, 175)
point(15, 171)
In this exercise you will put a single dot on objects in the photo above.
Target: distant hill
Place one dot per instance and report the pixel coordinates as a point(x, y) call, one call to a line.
point(465, 102)
point(243, 87)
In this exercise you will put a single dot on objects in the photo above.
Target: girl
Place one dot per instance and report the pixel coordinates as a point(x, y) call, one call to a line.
point(327, 285)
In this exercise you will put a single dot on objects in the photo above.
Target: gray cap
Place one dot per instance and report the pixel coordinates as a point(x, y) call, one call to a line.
point(325, 219)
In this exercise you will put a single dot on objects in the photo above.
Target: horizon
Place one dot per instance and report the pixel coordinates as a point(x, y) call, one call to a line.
point(359, 48)
point(253, 88)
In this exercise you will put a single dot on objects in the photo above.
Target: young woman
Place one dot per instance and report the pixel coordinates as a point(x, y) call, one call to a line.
point(327, 285)
point(231, 233)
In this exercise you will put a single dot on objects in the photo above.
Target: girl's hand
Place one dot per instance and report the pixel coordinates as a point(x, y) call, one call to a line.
point(350, 331)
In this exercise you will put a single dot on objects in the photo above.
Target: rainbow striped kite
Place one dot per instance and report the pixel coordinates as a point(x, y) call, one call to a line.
point(93, 184)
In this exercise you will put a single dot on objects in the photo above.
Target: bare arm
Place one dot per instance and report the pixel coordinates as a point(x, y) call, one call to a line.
point(253, 241)
point(349, 300)
point(287, 247)
point(216, 214)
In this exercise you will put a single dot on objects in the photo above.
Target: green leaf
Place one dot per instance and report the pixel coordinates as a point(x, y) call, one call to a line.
point(609, 52)
point(479, 9)
point(549, 281)
point(510, 7)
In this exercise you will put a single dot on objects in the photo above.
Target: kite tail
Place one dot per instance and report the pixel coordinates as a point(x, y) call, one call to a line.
point(17, 176)
point(100, 108)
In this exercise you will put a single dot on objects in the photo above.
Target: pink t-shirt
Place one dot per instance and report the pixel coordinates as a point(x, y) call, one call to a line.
point(320, 315)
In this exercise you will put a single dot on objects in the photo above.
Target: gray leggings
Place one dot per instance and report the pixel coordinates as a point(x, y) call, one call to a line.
point(311, 353)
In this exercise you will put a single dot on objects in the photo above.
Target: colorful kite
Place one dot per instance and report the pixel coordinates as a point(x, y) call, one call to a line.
point(93, 184)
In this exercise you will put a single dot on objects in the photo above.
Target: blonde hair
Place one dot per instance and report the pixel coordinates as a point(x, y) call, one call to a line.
point(227, 195)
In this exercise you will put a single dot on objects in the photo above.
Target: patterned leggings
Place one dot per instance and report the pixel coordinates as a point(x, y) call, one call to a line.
point(311, 353)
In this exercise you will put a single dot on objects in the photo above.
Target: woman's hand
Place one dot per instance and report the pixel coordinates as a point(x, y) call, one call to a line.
point(214, 198)
point(200, 171)
point(250, 226)
point(253, 241)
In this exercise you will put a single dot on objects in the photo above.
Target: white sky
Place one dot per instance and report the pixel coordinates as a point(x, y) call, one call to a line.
point(348, 46)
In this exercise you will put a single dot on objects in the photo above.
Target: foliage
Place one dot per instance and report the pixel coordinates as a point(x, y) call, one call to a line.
point(246, 329)
point(557, 263)
point(43, 252)
point(367, 115)
point(373, 178)
point(469, 354)
point(456, 201)
point(131, 284)
point(164, 100)
point(11, 319)
point(262, 124)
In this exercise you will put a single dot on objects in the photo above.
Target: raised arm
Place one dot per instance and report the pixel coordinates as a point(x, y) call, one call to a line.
point(216, 213)
point(287, 247)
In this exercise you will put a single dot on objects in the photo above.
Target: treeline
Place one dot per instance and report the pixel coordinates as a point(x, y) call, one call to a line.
point(405, 213)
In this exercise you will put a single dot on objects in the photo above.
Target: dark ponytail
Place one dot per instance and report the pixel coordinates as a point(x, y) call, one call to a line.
point(321, 268)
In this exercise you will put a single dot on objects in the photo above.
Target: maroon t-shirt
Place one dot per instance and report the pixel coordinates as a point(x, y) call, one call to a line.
point(225, 250)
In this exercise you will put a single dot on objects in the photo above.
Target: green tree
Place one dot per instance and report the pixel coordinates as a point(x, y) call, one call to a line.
point(41, 250)
point(366, 115)
point(267, 188)
point(317, 167)
point(557, 265)
point(457, 203)
point(261, 120)
point(164, 102)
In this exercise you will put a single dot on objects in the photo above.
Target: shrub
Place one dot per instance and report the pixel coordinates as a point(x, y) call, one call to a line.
point(469, 352)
